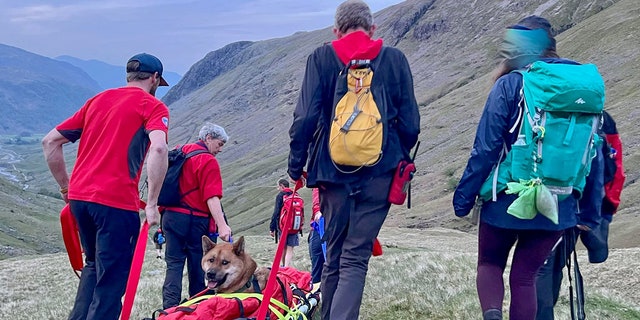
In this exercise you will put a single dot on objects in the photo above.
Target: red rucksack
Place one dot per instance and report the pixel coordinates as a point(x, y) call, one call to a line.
point(292, 204)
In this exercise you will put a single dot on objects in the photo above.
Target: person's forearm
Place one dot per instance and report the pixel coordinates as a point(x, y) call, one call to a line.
point(55, 160)
point(156, 170)
point(215, 207)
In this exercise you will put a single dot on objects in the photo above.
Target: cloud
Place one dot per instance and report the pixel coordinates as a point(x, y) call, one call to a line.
point(53, 13)
point(179, 31)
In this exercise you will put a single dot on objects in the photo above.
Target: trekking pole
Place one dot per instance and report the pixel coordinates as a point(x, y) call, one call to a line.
point(575, 281)
point(415, 152)
point(275, 266)
point(579, 288)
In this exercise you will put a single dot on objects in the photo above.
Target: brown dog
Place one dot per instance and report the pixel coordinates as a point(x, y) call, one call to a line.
point(228, 268)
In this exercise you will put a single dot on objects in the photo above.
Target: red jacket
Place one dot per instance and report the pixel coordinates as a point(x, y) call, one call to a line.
point(315, 205)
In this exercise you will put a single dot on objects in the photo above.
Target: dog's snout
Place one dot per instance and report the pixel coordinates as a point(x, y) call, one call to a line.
point(211, 275)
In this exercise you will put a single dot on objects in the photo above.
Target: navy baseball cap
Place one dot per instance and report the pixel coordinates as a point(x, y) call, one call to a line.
point(148, 63)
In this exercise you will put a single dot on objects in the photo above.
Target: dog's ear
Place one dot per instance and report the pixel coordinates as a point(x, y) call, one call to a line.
point(238, 246)
point(207, 244)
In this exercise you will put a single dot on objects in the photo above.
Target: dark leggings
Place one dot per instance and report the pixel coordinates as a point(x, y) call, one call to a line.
point(532, 248)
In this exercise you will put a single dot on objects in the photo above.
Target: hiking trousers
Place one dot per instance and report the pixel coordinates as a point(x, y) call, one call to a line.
point(532, 247)
point(316, 255)
point(549, 280)
point(354, 214)
point(183, 233)
point(108, 236)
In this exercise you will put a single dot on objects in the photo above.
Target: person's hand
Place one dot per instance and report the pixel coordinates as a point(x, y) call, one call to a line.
point(317, 216)
point(272, 233)
point(298, 184)
point(224, 232)
point(152, 214)
point(64, 192)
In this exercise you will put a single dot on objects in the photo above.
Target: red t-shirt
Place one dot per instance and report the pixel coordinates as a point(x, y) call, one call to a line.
point(200, 179)
point(114, 126)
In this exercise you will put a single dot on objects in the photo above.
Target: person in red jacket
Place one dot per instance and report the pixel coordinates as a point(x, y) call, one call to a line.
point(117, 129)
point(200, 185)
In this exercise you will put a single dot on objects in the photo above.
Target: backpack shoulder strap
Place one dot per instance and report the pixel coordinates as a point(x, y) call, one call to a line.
point(195, 153)
point(375, 63)
point(608, 124)
point(287, 191)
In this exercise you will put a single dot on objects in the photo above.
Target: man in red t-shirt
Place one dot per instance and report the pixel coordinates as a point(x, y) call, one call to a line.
point(118, 127)
point(200, 213)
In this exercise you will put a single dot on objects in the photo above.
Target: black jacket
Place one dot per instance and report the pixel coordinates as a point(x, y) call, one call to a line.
point(312, 117)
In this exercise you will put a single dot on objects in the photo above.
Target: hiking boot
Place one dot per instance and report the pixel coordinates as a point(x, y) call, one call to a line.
point(492, 314)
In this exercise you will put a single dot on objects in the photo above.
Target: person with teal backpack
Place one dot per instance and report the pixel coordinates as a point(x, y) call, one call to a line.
point(532, 151)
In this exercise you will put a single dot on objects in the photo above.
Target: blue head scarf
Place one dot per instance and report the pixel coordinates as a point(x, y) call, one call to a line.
point(527, 41)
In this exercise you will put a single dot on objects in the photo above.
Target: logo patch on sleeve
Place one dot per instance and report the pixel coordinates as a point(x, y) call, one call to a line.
point(165, 120)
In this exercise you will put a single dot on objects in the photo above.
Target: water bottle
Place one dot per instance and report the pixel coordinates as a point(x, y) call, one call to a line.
point(311, 302)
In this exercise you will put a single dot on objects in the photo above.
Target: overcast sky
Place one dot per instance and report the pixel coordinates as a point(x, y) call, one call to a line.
point(178, 32)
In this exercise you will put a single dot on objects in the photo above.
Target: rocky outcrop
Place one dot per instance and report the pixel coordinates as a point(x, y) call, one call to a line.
point(206, 70)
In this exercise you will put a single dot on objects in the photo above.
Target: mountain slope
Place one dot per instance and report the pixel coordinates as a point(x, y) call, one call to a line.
point(110, 76)
point(29, 222)
point(451, 47)
point(251, 88)
point(31, 86)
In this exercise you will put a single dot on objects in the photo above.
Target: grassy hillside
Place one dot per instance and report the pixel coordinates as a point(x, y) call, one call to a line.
point(453, 118)
point(28, 222)
point(428, 269)
point(451, 47)
point(422, 275)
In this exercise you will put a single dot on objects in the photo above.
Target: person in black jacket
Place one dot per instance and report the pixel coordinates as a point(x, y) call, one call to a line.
point(354, 202)
point(293, 240)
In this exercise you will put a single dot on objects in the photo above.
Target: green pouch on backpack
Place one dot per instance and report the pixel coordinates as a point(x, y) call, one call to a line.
point(533, 198)
point(524, 207)
point(546, 203)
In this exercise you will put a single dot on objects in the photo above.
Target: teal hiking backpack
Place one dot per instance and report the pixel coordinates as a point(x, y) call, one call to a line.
point(560, 113)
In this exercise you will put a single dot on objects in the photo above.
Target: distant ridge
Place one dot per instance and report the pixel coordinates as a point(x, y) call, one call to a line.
point(37, 92)
point(111, 76)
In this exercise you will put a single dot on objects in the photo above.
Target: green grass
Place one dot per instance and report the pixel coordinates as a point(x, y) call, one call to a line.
point(424, 274)
point(421, 275)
